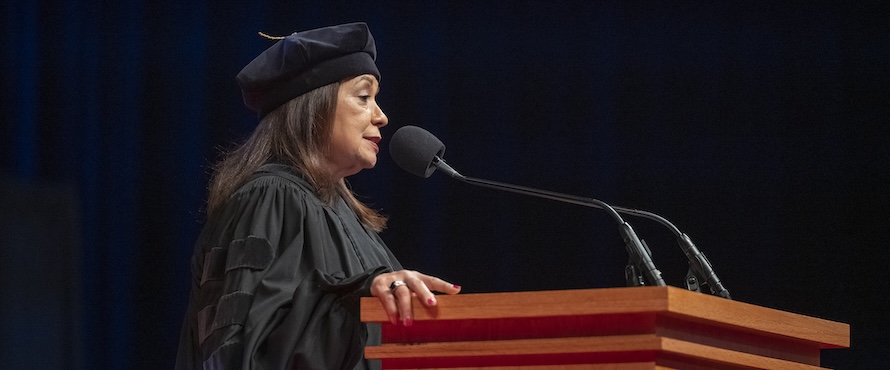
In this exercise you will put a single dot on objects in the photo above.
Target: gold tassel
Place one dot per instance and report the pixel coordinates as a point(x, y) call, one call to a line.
point(269, 37)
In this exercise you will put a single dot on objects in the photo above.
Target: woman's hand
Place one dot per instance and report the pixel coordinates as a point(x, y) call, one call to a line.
point(395, 290)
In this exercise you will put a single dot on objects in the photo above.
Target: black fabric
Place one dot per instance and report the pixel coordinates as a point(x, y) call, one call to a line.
point(277, 276)
point(305, 61)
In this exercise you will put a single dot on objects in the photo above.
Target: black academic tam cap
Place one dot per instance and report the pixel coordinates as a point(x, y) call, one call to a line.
point(305, 61)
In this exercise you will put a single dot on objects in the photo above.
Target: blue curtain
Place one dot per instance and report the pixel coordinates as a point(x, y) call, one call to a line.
point(761, 130)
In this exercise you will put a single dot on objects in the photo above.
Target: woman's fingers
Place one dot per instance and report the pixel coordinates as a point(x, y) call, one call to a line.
point(388, 300)
point(385, 287)
point(439, 285)
point(425, 285)
point(403, 302)
point(396, 290)
point(419, 289)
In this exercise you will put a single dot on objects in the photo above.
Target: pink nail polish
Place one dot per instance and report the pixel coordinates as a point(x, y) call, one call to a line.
point(456, 286)
point(431, 301)
point(409, 322)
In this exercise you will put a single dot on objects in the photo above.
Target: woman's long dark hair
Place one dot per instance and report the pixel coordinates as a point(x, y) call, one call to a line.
point(295, 134)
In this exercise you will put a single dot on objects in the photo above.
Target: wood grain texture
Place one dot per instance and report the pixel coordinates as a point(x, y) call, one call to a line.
point(629, 348)
point(651, 326)
point(667, 301)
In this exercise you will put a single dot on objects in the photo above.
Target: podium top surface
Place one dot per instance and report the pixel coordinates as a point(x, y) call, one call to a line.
point(668, 303)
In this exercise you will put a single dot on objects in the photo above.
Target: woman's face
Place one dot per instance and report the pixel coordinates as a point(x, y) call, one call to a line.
point(356, 127)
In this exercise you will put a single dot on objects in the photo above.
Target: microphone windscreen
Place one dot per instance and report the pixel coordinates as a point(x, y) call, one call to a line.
point(414, 149)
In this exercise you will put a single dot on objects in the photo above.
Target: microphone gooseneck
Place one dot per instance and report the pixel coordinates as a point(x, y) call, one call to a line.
point(419, 152)
point(637, 250)
point(423, 161)
point(587, 202)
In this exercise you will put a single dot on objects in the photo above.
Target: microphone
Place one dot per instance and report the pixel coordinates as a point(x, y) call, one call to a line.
point(420, 153)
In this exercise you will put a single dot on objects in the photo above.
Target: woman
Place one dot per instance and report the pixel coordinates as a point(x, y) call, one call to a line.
point(287, 250)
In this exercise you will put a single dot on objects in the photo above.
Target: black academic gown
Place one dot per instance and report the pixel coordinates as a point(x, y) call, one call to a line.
point(277, 276)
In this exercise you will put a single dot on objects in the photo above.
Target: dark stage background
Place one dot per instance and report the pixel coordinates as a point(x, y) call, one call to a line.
point(761, 130)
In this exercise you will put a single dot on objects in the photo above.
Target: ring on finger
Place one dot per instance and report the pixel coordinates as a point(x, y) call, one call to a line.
point(395, 284)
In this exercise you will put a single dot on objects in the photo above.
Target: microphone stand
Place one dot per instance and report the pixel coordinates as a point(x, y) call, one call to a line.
point(640, 257)
point(700, 270)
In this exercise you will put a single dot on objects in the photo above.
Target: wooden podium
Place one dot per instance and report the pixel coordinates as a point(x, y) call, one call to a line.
point(613, 328)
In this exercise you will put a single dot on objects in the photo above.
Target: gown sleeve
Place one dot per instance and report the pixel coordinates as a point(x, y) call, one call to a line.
point(276, 288)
